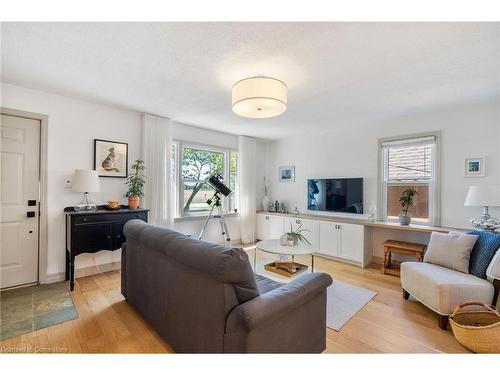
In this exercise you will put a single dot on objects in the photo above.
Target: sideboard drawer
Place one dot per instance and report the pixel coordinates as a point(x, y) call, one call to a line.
point(84, 219)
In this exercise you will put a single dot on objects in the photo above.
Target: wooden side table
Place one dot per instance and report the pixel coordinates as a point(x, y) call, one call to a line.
point(400, 247)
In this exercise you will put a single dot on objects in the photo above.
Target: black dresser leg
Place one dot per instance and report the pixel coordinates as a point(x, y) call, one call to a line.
point(67, 266)
point(72, 273)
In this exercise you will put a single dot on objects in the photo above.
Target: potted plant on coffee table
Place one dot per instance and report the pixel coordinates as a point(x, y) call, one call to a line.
point(135, 182)
point(407, 200)
point(293, 237)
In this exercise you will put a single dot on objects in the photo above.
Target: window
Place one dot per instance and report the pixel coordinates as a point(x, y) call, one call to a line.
point(192, 166)
point(410, 162)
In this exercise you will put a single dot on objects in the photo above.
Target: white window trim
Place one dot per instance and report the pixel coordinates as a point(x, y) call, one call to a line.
point(434, 183)
point(179, 201)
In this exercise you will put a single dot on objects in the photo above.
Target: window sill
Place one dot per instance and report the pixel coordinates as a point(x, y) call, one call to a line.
point(201, 217)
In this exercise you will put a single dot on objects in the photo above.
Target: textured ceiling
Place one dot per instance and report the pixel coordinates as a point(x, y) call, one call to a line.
point(338, 74)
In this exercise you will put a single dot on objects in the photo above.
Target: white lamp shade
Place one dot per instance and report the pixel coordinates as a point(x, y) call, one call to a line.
point(259, 97)
point(85, 181)
point(483, 196)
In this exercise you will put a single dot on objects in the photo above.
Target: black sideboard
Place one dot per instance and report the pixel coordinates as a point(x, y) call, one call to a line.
point(93, 231)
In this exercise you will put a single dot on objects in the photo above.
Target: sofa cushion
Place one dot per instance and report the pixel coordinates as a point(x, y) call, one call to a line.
point(486, 246)
point(451, 250)
point(266, 285)
point(441, 289)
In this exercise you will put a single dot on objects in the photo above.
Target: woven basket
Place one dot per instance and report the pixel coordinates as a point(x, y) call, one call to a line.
point(478, 331)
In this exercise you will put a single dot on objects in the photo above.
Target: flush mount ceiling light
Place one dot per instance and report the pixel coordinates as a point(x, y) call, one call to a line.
point(259, 97)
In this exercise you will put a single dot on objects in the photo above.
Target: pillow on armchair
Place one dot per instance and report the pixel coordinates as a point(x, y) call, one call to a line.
point(450, 250)
point(486, 246)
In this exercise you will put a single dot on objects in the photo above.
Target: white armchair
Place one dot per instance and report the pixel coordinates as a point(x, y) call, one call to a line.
point(441, 289)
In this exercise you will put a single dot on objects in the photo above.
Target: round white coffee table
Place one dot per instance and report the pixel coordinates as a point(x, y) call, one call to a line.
point(274, 247)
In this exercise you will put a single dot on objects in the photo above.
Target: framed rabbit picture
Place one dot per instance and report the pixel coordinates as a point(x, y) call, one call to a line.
point(111, 158)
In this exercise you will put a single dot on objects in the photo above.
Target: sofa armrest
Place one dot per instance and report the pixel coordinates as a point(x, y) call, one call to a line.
point(277, 303)
point(493, 271)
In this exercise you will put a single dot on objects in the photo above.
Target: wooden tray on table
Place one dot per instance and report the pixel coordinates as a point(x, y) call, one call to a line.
point(287, 269)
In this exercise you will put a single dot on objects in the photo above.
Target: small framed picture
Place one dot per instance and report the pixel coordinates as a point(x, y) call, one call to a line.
point(474, 167)
point(111, 158)
point(287, 173)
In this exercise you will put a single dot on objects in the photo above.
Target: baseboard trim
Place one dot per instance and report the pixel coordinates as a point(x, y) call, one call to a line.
point(86, 271)
point(55, 277)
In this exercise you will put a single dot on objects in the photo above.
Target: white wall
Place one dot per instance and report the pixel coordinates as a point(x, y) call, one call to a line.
point(72, 126)
point(468, 130)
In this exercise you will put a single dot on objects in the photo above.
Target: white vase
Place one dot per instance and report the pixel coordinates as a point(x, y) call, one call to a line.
point(265, 203)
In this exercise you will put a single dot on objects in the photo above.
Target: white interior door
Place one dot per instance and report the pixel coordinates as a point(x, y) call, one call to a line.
point(19, 170)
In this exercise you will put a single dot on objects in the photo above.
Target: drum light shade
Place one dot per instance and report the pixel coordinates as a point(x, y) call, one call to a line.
point(259, 97)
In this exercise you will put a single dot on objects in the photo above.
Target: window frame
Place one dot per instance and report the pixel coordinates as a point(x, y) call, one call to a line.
point(178, 184)
point(434, 182)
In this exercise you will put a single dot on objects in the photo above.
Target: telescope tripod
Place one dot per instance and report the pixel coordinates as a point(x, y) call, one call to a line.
point(215, 201)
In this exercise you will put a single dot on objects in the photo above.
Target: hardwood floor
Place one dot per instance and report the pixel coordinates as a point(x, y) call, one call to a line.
point(107, 324)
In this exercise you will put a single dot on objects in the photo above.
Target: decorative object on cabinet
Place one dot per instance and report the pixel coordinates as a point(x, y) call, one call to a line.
point(283, 209)
point(111, 158)
point(113, 205)
point(287, 173)
point(484, 196)
point(407, 200)
point(90, 232)
point(265, 200)
point(372, 212)
point(85, 181)
point(135, 183)
point(474, 167)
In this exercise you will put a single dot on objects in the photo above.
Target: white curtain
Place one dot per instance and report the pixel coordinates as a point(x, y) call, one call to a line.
point(247, 188)
point(156, 153)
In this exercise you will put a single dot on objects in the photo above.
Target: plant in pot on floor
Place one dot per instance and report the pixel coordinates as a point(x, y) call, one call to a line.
point(293, 237)
point(135, 182)
point(407, 200)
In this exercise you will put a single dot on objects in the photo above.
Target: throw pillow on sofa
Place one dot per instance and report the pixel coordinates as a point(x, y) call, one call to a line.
point(450, 250)
point(483, 252)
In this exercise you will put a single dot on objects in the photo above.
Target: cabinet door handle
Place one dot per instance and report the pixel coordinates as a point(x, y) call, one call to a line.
point(117, 236)
point(84, 219)
point(108, 237)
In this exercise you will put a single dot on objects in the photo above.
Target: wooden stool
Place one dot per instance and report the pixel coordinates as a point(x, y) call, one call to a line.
point(399, 247)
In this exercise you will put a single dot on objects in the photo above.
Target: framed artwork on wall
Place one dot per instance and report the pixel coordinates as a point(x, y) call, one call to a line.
point(287, 173)
point(474, 167)
point(111, 158)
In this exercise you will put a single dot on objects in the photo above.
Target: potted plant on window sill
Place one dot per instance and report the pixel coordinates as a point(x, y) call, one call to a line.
point(407, 200)
point(135, 182)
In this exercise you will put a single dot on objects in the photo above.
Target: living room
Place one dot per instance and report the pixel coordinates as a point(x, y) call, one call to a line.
point(250, 187)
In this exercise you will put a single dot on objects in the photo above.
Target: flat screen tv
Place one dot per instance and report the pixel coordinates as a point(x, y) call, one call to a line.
point(335, 195)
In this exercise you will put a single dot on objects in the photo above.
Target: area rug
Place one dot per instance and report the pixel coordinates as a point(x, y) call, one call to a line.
point(28, 309)
point(343, 302)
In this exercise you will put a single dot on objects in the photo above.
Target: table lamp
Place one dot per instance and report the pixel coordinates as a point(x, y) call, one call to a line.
point(484, 196)
point(85, 181)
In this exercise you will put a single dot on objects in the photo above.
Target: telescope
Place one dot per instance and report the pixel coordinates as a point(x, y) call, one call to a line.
point(215, 181)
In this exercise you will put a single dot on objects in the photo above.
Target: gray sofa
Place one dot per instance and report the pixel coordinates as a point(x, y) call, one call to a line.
point(204, 298)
